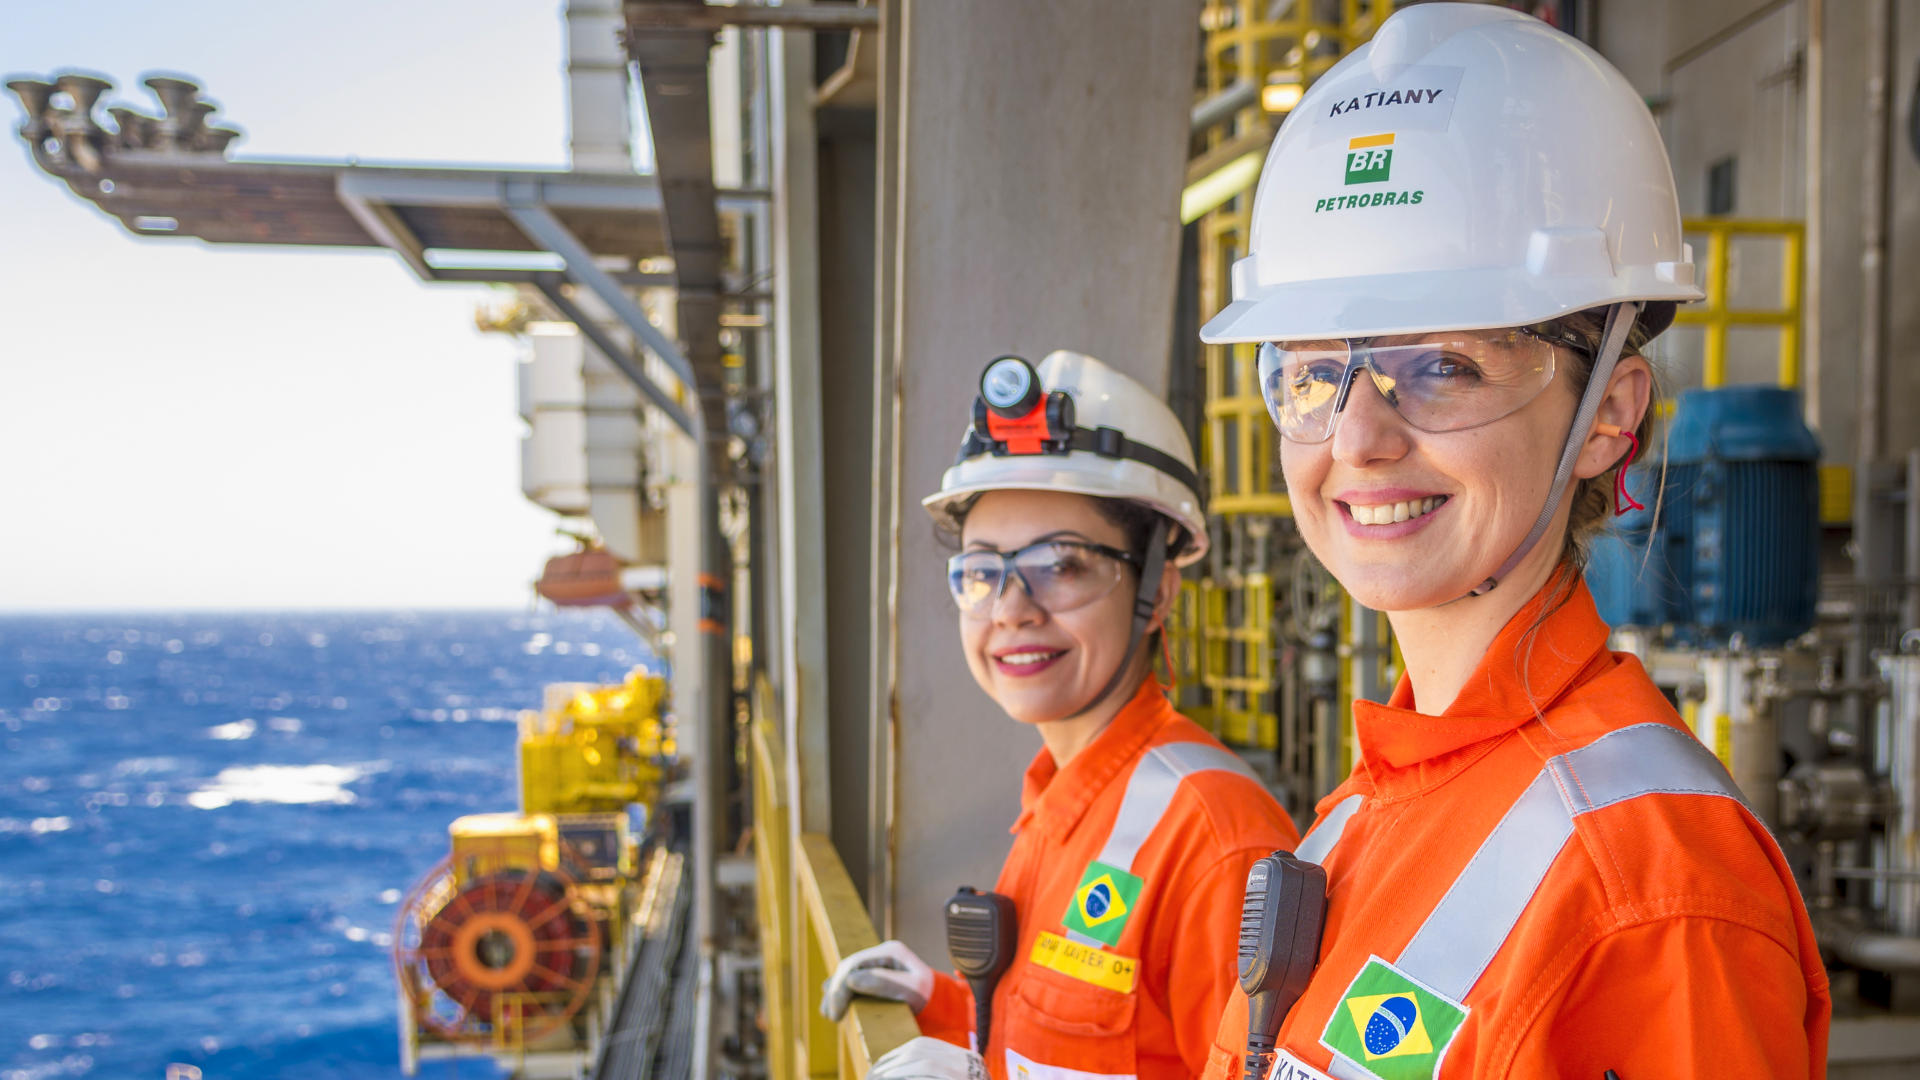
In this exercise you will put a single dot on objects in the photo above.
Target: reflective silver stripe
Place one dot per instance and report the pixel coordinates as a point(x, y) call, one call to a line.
point(1320, 841)
point(1635, 761)
point(1344, 1068)
point(1151, 788)
point(1482, 905)
point(1467, 927)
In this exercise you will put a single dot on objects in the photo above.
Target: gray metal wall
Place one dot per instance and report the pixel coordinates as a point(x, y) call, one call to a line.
point(1731, 78)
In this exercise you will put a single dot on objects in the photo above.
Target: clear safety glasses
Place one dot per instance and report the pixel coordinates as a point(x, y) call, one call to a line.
point(1059, 575)
point(1449, 382)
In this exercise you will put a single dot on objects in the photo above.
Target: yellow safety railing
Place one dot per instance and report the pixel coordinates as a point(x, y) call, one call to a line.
point(773, 894)
point(810, 917)
point(1717, 316)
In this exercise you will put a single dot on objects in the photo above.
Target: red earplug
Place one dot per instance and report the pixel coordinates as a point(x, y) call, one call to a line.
point(1620, 493)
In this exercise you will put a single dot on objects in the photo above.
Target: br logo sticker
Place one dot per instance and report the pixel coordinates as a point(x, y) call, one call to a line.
point(1390, 1026)
point(1370, 159)
point(1101, 904)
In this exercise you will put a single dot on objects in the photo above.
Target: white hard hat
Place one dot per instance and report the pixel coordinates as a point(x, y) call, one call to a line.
point(1103, 435)
point(1470, 167)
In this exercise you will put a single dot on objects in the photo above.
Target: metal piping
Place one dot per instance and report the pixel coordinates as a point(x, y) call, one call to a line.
point(1872, 339)
point(1840, 933)
point(1220, 108)
point(1815, 210)
point(673, 63)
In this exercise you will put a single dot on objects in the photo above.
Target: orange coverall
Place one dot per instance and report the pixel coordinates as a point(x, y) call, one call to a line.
point(1131, 983)
point(1665, 938)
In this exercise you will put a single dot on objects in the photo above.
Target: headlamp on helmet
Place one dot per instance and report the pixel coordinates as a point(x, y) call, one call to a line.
point(1013, 415)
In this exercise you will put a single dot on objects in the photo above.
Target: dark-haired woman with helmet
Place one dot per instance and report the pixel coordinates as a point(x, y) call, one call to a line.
point(1074, 504)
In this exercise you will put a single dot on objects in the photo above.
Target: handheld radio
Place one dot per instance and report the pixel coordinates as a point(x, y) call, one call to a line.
point(982, 932)
point(1280, 925)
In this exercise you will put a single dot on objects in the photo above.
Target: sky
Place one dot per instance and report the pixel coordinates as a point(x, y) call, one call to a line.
point(184, 426)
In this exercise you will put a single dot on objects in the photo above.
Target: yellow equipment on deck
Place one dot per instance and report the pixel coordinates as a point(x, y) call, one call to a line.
point(516, 943)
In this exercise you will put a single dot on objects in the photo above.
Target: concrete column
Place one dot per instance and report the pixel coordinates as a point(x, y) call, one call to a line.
point(796, 309)
point(1040, 155)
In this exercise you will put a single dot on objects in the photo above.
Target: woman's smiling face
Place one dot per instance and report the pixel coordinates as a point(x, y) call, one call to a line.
point(1406, 519)
point(1037, 665)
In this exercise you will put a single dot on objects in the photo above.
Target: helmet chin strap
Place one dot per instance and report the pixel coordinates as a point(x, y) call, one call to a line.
point(1620, 319)
point(1143, 604)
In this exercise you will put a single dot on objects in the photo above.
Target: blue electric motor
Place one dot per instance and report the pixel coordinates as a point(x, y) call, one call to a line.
point(1736, 547)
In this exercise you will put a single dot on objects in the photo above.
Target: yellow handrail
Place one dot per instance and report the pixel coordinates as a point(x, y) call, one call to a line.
point(836, 926)
point(800, 949)
point(772, 895)
point(1718, 317)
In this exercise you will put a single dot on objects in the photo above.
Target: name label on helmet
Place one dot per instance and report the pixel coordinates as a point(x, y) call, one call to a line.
point(1418, 99)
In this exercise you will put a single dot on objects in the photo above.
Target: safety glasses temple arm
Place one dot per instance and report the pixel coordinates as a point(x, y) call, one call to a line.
point(1620, 319)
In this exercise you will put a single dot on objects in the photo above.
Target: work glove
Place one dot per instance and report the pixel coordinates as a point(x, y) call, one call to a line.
point(927, 1058)
point(889, 970)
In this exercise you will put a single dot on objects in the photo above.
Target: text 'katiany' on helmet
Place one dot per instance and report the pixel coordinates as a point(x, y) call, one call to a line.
point(1470, 167)
point(1074, 424)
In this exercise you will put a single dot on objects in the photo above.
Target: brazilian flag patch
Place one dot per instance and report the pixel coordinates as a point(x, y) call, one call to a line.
point(1101, 904)
point(1392, 1026)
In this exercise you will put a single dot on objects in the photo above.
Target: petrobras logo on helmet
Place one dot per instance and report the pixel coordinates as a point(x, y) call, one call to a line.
point(1417, 99)
point(1370, 161)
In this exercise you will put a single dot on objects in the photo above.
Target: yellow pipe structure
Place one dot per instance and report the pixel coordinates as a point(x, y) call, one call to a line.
point(1718, 316)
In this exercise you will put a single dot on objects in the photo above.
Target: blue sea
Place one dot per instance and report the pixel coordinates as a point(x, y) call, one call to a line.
point(207, 821)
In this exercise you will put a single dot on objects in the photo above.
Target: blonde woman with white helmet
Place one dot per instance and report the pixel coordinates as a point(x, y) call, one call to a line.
point(1074, 503)
point(1463, 237)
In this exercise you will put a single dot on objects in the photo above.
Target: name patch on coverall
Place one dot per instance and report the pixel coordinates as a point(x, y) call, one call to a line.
point(1084, 962)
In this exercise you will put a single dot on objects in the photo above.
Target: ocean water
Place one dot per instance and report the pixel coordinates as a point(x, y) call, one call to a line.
point(206, 822)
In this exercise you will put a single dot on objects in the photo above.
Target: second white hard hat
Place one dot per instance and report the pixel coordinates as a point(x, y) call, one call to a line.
point(1470, 167)
point(1121, 442)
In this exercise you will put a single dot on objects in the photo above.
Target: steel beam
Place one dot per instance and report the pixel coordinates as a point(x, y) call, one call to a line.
point(645, 15)
point(546, 230)
point(552, 289)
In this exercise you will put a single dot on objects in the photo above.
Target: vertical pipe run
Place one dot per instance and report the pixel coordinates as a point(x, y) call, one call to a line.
point(1816, 50)
point(1873, 216)
point(1910, 563)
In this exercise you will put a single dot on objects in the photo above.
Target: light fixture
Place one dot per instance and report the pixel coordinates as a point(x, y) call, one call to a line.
point(1011, 387)
point(1281, 97)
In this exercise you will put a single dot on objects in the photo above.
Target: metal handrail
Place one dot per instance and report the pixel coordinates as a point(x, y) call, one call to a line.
point(810, 918)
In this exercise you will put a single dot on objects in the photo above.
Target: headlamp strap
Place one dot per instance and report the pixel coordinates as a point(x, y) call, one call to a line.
point(1103, 442)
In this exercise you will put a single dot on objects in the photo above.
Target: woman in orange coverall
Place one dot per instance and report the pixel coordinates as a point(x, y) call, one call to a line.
point(1465, 235)
point(1074, 502)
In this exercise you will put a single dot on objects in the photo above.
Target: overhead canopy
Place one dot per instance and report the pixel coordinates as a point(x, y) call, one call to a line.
point(617, 217)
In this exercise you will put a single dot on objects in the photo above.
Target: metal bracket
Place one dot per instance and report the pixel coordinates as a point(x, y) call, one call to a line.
point(550, 288)
point(549, 232)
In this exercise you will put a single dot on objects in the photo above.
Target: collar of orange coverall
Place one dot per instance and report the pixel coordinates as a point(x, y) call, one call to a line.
point(1525, 672)
point(1054, 799)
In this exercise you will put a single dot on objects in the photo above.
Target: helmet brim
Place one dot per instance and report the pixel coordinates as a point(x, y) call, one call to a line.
point(1426, 302)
